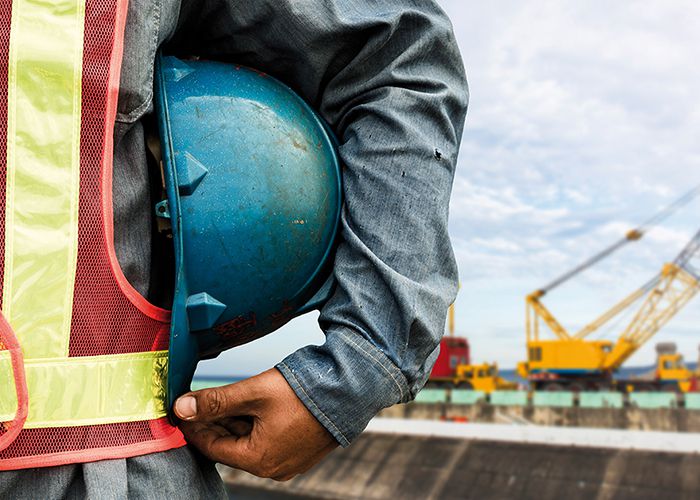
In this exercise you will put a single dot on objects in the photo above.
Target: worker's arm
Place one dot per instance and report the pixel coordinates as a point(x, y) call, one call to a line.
point(387, 75)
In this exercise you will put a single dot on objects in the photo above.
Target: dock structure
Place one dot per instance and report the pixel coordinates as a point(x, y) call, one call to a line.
point(643, 411)
point(419, 459)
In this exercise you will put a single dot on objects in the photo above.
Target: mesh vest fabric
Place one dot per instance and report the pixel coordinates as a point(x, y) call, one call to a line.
point(110, 323)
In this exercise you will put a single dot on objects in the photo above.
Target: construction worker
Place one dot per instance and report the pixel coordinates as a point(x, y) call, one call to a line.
point(388, 78)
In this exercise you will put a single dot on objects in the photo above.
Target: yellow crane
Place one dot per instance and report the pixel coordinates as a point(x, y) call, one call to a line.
point(571, 360)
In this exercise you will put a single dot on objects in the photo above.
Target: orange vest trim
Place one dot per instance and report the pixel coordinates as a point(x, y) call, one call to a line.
point(8, 342)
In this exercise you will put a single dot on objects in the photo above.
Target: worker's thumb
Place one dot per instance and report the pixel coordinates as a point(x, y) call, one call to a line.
point(212, 404)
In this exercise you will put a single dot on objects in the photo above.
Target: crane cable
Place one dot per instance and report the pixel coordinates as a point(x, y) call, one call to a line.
point(632, 235)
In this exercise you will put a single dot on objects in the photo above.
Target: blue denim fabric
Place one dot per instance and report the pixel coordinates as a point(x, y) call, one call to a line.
point(388, 77)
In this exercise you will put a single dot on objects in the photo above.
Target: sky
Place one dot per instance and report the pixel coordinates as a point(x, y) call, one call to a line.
point(583, 122)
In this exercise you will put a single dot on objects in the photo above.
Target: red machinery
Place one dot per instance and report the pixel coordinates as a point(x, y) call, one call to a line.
point(454, 351)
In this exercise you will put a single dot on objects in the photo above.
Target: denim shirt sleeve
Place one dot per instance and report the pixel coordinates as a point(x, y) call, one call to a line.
point(389, 79)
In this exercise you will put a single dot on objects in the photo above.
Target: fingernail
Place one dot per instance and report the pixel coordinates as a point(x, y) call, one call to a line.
point(186, 407)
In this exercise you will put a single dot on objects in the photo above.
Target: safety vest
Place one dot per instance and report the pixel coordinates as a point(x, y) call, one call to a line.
point(83, 356)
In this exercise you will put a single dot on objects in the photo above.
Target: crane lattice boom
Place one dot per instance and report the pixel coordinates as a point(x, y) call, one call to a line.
point(678, 283)
point(574, 358)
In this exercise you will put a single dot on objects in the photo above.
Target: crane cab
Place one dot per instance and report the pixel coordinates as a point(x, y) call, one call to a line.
point(671, 371)
point(566, 357)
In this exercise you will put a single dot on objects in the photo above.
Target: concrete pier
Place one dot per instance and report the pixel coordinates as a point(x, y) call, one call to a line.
point(659, 419)
point(445, 465)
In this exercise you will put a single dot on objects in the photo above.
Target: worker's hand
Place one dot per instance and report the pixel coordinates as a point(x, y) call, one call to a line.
point(257, 425)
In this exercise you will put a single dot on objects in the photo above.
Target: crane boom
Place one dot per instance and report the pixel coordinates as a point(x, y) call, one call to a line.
point(678, 283)
point(616, 309)
point(536, 311)
point(665, 294)
point(632, 235)
point(575, 360)
point(689, 258)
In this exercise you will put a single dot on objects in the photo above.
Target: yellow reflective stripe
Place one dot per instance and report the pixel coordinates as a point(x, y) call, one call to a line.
point(43, 172)
point(92, 390)
point(8, 404)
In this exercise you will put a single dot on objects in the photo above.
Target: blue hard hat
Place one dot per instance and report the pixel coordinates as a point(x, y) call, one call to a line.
point(253, 198)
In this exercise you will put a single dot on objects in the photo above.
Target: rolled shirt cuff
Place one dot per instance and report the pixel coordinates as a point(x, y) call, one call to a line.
point(344, 382)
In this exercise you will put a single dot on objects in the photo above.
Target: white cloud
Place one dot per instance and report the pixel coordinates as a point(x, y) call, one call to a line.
point(480, 203)
point(583, 123)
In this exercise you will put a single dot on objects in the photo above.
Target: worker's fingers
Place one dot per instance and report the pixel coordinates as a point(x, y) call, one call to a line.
point(219, 445)
point(239, 452)
point(237, 426)
point(258, 425)
point(218, 402)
